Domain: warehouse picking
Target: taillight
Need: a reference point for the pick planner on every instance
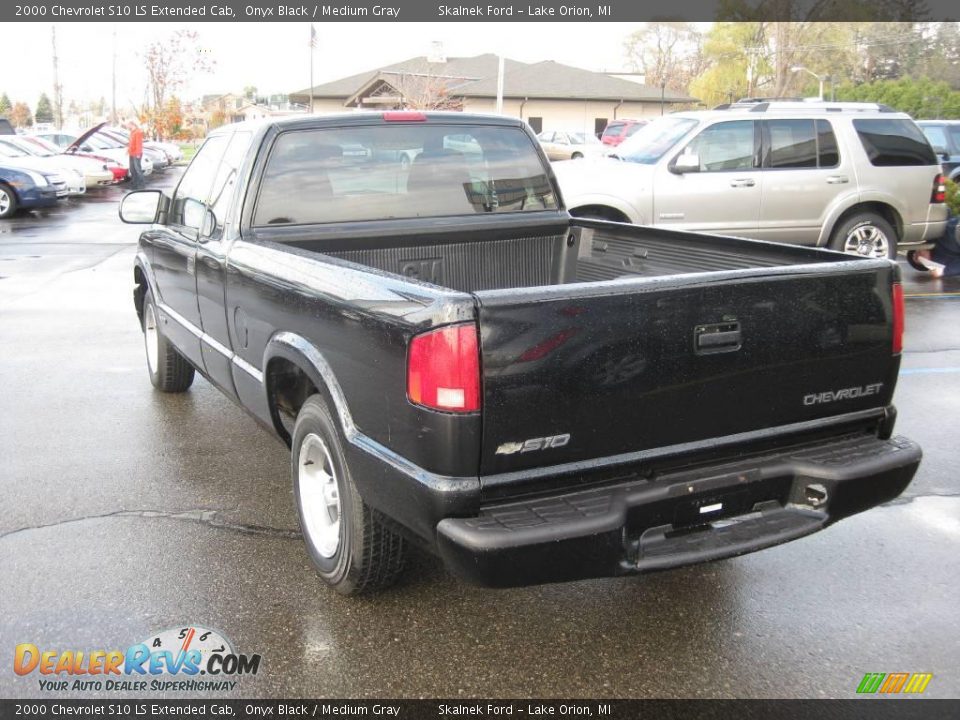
(897, 318)
(443, 369)
(404, 116)
(939, 190)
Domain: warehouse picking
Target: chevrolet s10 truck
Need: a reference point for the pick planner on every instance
(455, 361)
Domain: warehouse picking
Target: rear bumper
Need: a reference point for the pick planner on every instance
(679, 518)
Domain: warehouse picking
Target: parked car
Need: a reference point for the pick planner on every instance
(91, 144)
(156, 155)
(12, 155)
(944, 136)
(570, 145)
(28, 189)
(619, 130)
(6, 128)
(171, 151)
(452, 358)
(62, 140)
(92, 171)
(855, 177)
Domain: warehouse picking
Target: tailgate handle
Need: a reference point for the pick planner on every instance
(717, 338)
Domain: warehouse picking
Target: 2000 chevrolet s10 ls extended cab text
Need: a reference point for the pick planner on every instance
(457, 362)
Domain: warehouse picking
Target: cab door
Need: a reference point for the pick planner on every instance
(211, 264)
(718, 189)
(174, 256)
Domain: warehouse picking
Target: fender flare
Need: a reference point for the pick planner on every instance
(305, 355)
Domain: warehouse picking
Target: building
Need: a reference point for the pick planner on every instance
(548, 95)
(231, 108)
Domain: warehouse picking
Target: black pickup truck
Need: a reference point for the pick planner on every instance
(455, 361)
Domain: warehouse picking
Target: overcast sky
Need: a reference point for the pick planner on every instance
(274, 57)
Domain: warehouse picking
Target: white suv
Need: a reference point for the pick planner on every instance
(856, 177)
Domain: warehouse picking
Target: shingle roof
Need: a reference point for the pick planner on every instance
(543, 80)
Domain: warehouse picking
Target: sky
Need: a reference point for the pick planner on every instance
(275, 57)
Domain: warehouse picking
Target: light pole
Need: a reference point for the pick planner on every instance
(663, 91)
(798, 68)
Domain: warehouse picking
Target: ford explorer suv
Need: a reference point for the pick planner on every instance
(855, 177)
(456, 362)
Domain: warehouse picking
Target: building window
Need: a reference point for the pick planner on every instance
(536, 123)
(599, 125)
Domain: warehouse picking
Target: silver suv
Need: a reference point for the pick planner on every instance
(856, 177)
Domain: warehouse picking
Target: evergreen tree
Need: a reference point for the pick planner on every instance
(44, 113)
(5, 105)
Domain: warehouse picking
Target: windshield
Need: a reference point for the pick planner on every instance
(10, 151)
(31, 148)
(42, 147)
(583, 139)
(654, 140)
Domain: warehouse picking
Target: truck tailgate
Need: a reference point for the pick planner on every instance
(596, 370)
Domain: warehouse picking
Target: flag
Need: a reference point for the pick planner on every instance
(313, 36)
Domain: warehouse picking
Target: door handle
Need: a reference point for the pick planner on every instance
(837, 180)
(742, 182)
(717, 338)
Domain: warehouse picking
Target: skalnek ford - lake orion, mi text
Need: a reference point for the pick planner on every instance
(586, 11)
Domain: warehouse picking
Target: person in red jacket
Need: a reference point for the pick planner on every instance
(135, 151)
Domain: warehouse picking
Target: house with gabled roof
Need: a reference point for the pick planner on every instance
(548, 95)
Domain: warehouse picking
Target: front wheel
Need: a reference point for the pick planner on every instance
(8, 202)
(576, 156)
(865, 234)
(169, 370)
(350, 545)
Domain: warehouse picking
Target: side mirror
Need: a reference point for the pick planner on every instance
(198, 216)
(941, 152)
(140, 207)
(685, 163)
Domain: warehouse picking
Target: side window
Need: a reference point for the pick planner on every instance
(226, 177)
(894, 143)
(194, 187)
(793, 144)
(546, 136)
(725, 146)
(828, 152)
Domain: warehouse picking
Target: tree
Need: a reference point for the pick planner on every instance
(168, 122)
(667, 53)
(44, 112)
(250, 92)
(5, 106)
(170, 62)
(20, 115)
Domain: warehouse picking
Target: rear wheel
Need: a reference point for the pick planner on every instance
(576, 156)
(350, 544)
(865, 234)
(169, 370)
(8, 201)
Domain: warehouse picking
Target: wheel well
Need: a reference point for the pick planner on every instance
(882, 209)
(604, 211)
(139, 291)
(288, 388)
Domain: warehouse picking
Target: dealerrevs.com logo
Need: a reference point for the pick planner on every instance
(189, 659)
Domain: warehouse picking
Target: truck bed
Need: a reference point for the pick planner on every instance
(575, 252)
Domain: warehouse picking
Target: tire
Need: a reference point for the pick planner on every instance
(577, 156)
(8, 201)
(169, 370)
(353, 550)
(865, 234)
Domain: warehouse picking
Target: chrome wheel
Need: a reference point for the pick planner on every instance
(319, 496)
(867, 241)
(150, 337)
(5, 202)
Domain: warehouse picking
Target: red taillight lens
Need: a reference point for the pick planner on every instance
(443, 369)
(897, 318)
(404, 116)
(939, 190)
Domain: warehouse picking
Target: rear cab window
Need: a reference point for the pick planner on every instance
(380, 172)
(894, 142)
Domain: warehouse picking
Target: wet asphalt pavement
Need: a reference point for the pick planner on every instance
(127, 512)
